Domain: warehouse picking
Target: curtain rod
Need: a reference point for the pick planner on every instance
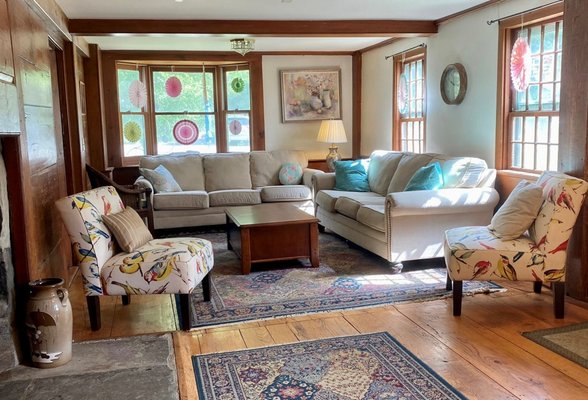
(523, 12)
(404, 51)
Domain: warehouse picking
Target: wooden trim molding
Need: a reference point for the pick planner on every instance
(356, 105)
(91, 27)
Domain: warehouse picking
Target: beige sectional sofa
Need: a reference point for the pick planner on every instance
(210, 182)
(399, 225)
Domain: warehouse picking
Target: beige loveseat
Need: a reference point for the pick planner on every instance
(210, 182)
(399, 225)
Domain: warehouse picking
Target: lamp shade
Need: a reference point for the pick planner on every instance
(332, 131)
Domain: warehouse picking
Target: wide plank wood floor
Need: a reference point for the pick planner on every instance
(482, 353)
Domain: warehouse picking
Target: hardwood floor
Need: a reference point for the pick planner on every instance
(482, 353)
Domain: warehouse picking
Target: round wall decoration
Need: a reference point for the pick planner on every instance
(235, 127)
(520, 64)
(402, 95)
(454, 84)
(173, 86)
(132, 132)
(185, 132)
(237, 84)
(138, 94)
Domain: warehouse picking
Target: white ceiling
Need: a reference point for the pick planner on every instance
(253, 10)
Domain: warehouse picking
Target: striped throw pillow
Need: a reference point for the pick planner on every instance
(128, 229)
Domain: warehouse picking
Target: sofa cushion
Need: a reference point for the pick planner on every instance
(185, 167)
(226, 171)
(382, 167)
(272, 194)
(347, 207)
(372, 215)
(409, 164)
(161, 179)
(351, 176)
(326, 199)
(188, 200)
(290, 174)
(265, 165)
(461, 172)
(237, 197)
(428, 177)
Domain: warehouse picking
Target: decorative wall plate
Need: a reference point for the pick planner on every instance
(138, 94)
(132, 132)
(235, 127)
(173, 86)
(402, 95)
(186, 132)
(520, 64)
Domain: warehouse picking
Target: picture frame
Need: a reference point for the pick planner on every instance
(310, 94)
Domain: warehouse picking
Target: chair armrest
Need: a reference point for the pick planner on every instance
(442, 201)
(324, 181)
(307, 175)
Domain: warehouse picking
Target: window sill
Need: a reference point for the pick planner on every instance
(509, 173)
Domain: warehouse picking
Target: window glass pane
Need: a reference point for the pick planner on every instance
(419, 69)
(529, 129)
(529, 156)
(541, 157)
(549, 37)
(520, 101)
(554, 130)
(125, 77)
(559, 35)
(238, 132)
(558, 67)
(547, 97)
(191, 98)
(240, 100)
(535, 40)
(516, 155)
(409, 128)
(535, 69)
(542, 129)
(553, 157)
(548, 72)
(134, 143)
(412, 71)
(556, 99)
(166, 143)
(517, 129)
(533, 97)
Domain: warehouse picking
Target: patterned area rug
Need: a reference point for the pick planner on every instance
(569, 341)
(347, 278)
(373, 366)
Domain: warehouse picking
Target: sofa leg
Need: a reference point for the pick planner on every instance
(126, 299)
(448, 284)
(457, 294)
(185, 323)
(559, 299)
(206, 287)
(537, 286)
(94, 312)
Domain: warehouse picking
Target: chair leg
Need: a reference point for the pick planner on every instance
(126, 300)
(94, 312)
(448, 284)
(206, 287)
(185, 309)
(537, 286)
(559, 299)
(457, 295)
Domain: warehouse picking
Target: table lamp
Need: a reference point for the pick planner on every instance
(332, 131)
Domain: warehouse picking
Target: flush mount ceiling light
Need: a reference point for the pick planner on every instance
(242, 46)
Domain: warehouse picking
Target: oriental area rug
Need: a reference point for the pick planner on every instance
(348, 278)
(372, 366)
(569, 341)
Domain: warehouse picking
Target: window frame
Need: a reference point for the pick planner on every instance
(504, 115)
(225, 109)
(149, 114)
(409, 57)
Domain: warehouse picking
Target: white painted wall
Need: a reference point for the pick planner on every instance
(302, 135)
(465, 129)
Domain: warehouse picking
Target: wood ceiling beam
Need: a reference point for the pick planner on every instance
(94, 27)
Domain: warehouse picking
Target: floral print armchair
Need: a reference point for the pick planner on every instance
(175, 265)
(474, 253)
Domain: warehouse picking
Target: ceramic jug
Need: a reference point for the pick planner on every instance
(49, 323)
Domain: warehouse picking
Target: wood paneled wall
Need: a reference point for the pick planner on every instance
(573, 151)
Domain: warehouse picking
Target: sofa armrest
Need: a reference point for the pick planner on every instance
(307, 175)
(325, 181)
(144, 183)
(442, 201)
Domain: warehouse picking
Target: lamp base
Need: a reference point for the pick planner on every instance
(332, 157)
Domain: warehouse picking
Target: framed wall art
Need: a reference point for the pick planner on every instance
(310, 94)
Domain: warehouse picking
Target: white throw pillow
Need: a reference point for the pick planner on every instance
(161, 179)
(518, 212)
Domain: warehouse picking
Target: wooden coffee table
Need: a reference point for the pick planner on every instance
(271, 232)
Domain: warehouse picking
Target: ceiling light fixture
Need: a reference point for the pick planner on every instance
(242, 46)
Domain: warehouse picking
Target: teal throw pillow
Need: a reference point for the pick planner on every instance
(351, 176)
(429, 177)
(161, 179)
(290, 174)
